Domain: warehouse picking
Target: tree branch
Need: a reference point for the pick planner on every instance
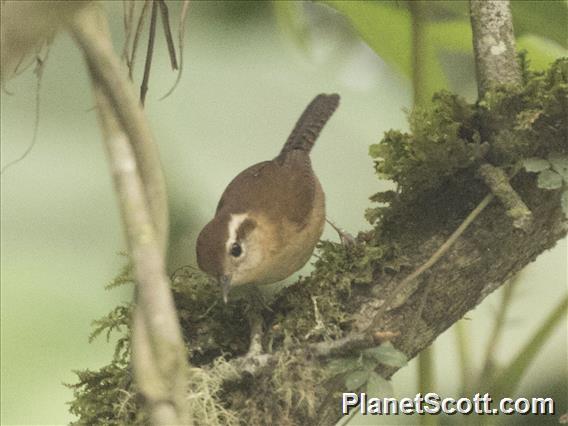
(102, 60)
(493, 44)
(499, 184)
(158, 352)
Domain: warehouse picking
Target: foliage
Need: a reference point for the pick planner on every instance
(108, 396)
(359, 370)
(443, 140)
(387, 27)
(552, 174)
(448, 139)
(508, 378)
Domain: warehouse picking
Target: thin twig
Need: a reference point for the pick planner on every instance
(40, 67)
(149, 53)
(181, 35)
(168, 33)
(431, 261)
(129, 7)
(498, 182)
(345, 237)
(137, 34)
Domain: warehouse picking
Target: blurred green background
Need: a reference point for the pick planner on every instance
(249, 72)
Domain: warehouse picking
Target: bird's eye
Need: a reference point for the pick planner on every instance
(236, 250)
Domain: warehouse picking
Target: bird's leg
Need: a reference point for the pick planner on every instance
(255, 323)
(257, 304)
(345, 237)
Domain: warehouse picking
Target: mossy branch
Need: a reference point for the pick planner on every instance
(496, 65)
(499, 184)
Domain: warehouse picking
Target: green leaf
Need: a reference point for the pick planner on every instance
(453, 36)
(341, 365)
(547, 19)
(292, 22)
(387, 354)
(564, 203)
(377, 385)
(560, 164)
(388, 31)
(535, 164)
(541, 52)
(356, 379)
(548, 179)
(507, 382)
(385, 29)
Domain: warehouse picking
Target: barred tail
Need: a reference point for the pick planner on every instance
(311, 123)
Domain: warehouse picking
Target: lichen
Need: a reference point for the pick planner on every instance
(434, 167)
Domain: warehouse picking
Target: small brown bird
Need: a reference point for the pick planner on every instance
(271, 216)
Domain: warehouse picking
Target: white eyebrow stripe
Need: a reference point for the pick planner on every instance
(234, 224)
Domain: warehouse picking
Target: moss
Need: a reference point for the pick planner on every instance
(434, 167)
(449, 138)
(443, 140)
(211, 327)
(287, 396)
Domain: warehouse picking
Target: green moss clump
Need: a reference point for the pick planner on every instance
(449, 138)
(212, 328)
(314, 308)
(108, 396)
(443, 140)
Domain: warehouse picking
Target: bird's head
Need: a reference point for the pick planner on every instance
(230, 248)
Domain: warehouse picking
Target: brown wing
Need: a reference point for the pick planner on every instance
(280, 189)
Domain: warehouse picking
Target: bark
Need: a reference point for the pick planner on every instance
(489, 253)
(493, 44)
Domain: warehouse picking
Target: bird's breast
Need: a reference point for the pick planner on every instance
(289, 245)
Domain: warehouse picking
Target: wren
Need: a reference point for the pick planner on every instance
(271, 216)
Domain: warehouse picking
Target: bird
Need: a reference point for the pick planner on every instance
(271, 215)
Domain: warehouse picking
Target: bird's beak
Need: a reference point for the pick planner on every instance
(225, 281)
